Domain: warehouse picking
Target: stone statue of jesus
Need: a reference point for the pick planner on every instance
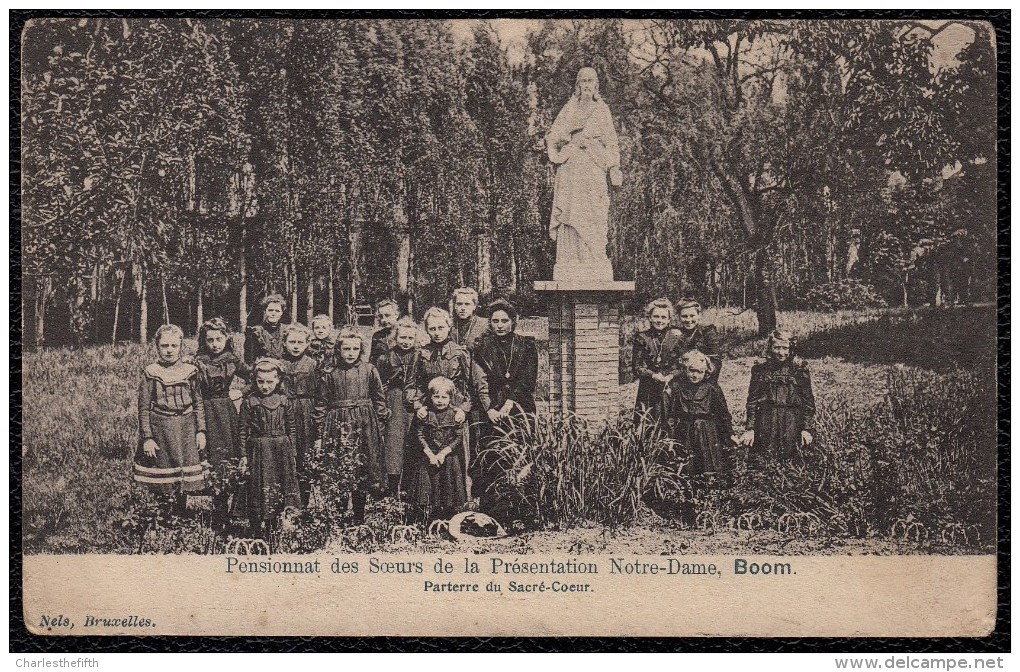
(583, 145)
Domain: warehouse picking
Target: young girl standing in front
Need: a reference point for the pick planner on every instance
(442, 357)
(349, 395)
(700, 420)
(218, 364)
(171, 422)
(267, 436)
(299, 384)
(780, 402)
(437, 474)
(395, 368)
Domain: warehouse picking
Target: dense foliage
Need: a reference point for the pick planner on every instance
(847, 294)
(174, 169)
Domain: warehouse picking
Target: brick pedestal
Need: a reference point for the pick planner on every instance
(584, 347)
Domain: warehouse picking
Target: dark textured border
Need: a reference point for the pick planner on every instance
(23, 641)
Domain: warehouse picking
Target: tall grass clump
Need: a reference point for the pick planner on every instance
(560, 472)
(918, 466)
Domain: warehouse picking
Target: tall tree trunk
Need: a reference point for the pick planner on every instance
(116, 305)
(354, 280)
(402, 269)
(189, 201)
(766, 304)
(409, 307)
(513, 264)
(166, 304)
(94, 306)
(484, 242)
(242, 299)
(331, 296)
(748, 207)
(293, 288)
(143, 308)
(199, 309)
(310, 300)
(42, 299)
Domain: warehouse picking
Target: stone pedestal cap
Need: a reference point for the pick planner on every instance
(584, 286)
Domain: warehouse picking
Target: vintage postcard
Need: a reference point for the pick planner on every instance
(509, 327)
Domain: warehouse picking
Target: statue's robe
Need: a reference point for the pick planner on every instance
(584, 146)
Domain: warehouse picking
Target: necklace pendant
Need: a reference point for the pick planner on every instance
(507, 375)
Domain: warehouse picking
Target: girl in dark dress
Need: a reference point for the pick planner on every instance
(780, 402)
(699, 420)
(697, 336)
(467, 327)
(320, 348)
(267, 433)
(350, 393)
(699, 417)
(387, 313)
(656, 359)
(395, 368)
(299, 384)
(442, 357)
(218, 365)
(266, 339)
(437, 485)
(171, 423)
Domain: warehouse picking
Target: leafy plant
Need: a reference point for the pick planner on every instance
(332, 471)
(847, 294)
(562, 472)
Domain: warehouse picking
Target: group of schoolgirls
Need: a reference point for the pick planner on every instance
(677, 367)
(403, 407)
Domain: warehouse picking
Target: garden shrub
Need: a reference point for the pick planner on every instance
(847, 294)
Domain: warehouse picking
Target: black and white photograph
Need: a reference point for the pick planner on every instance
(580, 301)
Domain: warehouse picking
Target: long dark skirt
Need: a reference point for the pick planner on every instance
(649, 400)
(221, 428)
(440, 491)
(397, 428)
(222, 423)
(371, 473)
(273, 485)
(304, 425)
(176, 466)
(701, 437)
(777, 431)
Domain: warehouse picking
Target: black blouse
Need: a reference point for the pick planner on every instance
(510, 364)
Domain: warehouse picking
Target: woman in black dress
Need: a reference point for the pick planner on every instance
(656, 359)
(697, 336)
(510, 364)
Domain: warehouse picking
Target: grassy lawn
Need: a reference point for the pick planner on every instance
(891, 368)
